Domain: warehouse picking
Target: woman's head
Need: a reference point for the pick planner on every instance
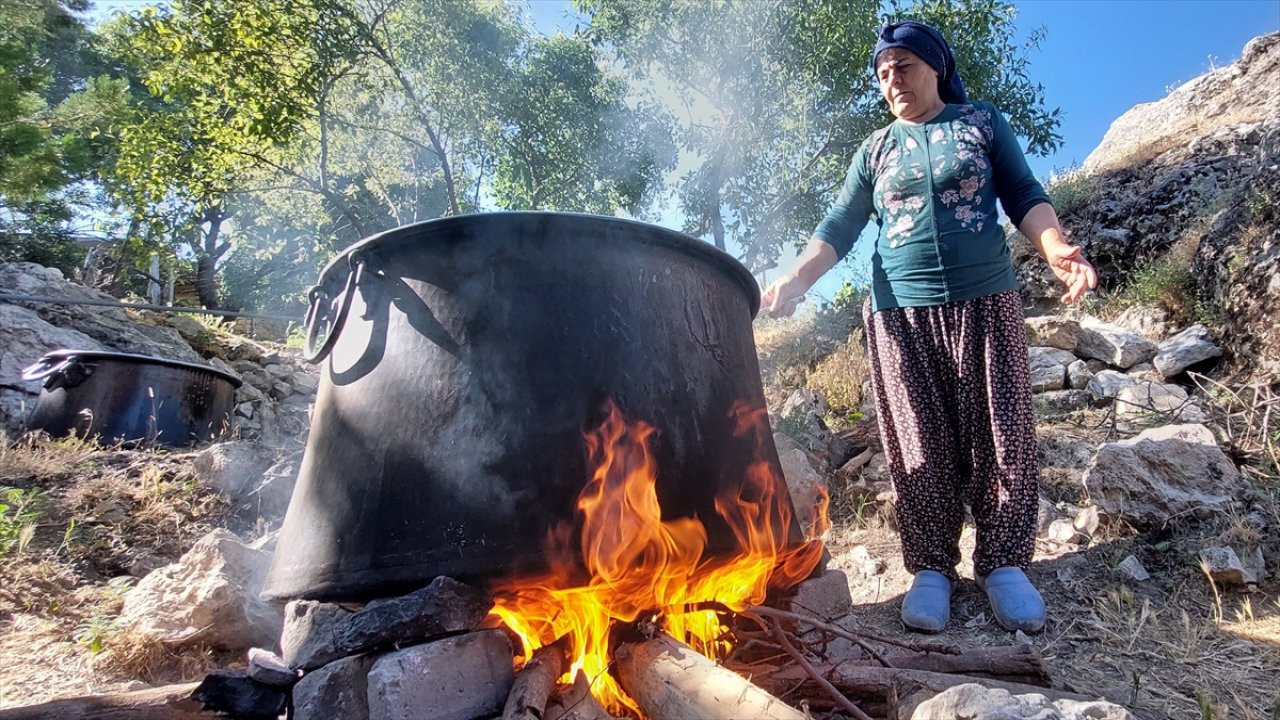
(926, 62)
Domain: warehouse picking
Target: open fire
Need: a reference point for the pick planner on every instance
(641, 567)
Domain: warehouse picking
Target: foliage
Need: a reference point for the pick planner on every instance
(840, 375)
(19, 511)
(780, 96)
(267, 134)
(1074, 192)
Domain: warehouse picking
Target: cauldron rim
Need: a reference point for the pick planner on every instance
(339, 266)
(66, 354)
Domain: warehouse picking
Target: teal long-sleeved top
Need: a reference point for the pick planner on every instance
(932, 189)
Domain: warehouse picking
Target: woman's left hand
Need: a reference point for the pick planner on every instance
(1072, 269)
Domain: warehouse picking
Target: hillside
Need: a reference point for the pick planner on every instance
(1161, 581)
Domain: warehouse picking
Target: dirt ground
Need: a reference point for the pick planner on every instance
(1173, 647)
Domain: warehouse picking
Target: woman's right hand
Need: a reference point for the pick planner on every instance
(782, 297)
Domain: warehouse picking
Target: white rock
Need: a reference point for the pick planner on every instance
(232, 468)
(1156, 402)
(806, 486)
(457, 678)
(1048, 368)
(1053, 331)
(209, 596)
(1112, 344)
(1131, 568)
(975, 701)
(1108, 384)
(1163, 472)
(1079, 375)
(1185, 349)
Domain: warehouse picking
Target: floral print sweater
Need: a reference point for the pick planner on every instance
(932, 190)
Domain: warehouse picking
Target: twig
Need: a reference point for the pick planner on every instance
(840, 698)
(846, 634)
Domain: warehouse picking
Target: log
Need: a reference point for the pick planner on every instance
(535, 681)
(1010, 663)
(671, 681)
(171, 702)
(575, 702)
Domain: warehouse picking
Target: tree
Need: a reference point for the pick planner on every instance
(46, 54)
(780, 95)
(341, 119)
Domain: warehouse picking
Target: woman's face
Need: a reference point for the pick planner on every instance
(909, 85)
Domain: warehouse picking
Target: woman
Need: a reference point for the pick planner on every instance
(944, 323)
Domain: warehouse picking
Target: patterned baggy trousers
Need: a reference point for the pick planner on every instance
(953, 393)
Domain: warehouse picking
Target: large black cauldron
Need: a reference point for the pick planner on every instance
(120, 397)
(464, 359)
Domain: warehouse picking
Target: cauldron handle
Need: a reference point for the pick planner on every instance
(311, 353)
(68, 370)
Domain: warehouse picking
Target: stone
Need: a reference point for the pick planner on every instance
(27, 337)
(1163, 472)
(267, 668)
(305, 383)
(807, 488)
(1115, 345)
(233, 468)
(279, 371)
(444, 606)
(309, 637)
(1048, 368)
(271, 496)
(1062, 531)
(1149, 321)
(861, 560)
(802, 419)
(1107, 384)
(1151, 401)
(1060, 403)
(1224, 566)
(1132, 569)
(824, 597)
(1053, 331)
(1189, 347)
(975, 701)
(209, 597)
(233, 692)
(337, 691)
(1086, 521)
(457, 678)
(1079, 375)
(112, 327)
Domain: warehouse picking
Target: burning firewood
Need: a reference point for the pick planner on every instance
(575, 702)
(534, 683)
(671, 681)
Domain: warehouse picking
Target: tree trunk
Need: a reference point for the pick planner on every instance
(208, 255)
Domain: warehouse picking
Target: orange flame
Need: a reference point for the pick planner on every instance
(640, 566)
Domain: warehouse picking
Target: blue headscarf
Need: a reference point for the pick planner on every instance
(931, 47)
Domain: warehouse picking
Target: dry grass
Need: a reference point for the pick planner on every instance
(839, 376)
(36, 457)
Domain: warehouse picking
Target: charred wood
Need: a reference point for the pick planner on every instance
(575, 702)
(535, 681)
